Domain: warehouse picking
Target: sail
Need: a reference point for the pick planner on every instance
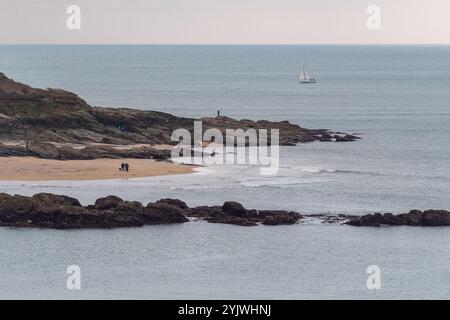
(304, 74)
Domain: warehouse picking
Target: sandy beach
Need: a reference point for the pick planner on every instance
(36, 169)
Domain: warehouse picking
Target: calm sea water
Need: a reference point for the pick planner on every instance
(396, 97)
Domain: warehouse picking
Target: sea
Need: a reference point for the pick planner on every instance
(396, 98)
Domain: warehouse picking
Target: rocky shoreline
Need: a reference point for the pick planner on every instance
(48, 123)
(46, 210)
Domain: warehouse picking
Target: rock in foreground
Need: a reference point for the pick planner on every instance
(234, 213)
(46, 210)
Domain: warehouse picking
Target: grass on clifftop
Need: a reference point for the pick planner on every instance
(28, 108)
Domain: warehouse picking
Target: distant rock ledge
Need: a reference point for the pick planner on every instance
(427, 218)
(46, 210)
(57, 124)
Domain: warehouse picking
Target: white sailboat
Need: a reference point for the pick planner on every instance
(305, 77)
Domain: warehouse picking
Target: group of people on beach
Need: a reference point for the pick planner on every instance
(124, 167)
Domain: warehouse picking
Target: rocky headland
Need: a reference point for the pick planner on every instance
(57, 124)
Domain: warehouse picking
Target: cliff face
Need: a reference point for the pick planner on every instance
(55, 115)
(17, 98)
(37, 122)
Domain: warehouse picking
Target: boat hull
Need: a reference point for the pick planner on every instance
(307, 81)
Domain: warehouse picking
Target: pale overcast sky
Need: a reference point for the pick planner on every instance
(225, 21)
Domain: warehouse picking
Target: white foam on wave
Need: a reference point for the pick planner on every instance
(317, 170)
(275, 184)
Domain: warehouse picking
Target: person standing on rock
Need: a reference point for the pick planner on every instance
(127, 167)
(122, 167)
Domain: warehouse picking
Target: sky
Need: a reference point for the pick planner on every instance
(225, 22)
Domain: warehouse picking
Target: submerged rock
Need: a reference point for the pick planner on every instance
(345, 138)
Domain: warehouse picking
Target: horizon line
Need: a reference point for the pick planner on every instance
(233, 44)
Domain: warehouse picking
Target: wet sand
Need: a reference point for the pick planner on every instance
(36, 169)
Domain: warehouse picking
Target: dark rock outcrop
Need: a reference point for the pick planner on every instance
(233, 208)
(279, 217)
(131, 207)
(4, 196)
(162, 213)
(234, 213)
(55, 199)
(428, 218)
(173, 202)
(106, 203)
(46, 210)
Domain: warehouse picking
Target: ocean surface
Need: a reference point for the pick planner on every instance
(396, 97)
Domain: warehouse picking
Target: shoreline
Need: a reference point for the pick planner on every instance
(37, 169)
